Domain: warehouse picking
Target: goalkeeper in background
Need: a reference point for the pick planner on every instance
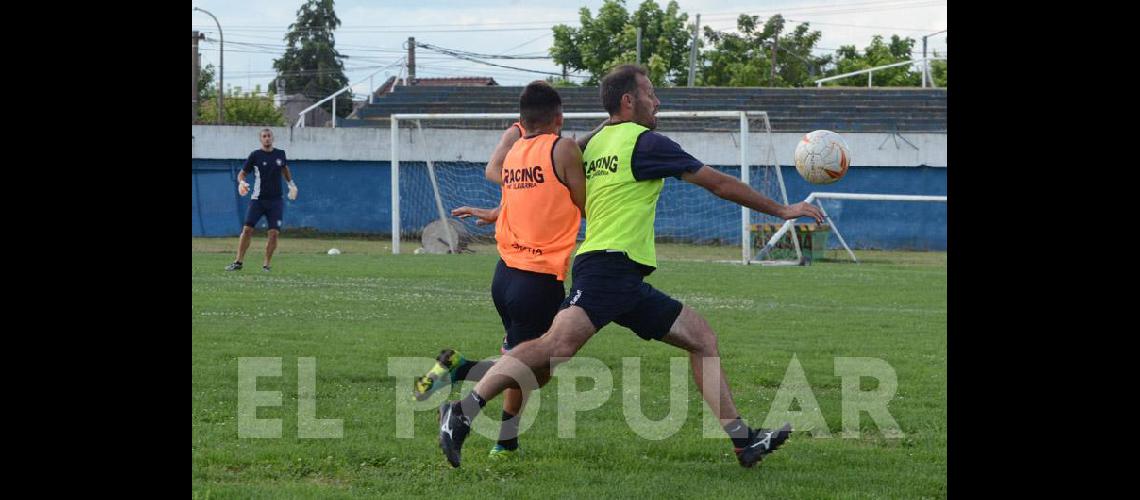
(268, 166)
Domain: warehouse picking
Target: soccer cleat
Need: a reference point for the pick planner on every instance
(265, 268)
(502, 454)
(446, 364)
(235, 266)
(761, 443)
(453, 429)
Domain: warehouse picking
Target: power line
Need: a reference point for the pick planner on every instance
(483, 72)
(920, 30)
(832, 9)
(433, 25)
(411, 30)
(468, 54)
(540, 37)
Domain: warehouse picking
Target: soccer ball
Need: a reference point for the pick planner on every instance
(333, 251)
(822, 157)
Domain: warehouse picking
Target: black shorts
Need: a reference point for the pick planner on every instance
(611, 287)
(272, 210)
(527, 302)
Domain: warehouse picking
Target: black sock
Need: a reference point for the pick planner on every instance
(738, 432)
(471, 405)
(509, 432)
(464, 368)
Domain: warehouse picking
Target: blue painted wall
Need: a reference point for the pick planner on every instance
(354, 196)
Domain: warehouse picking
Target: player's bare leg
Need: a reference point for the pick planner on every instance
(243, 242)
(692, 333)
(271, 245)
(243, 245)
(507, 447)
(512, 401)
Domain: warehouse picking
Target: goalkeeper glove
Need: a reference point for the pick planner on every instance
(243, 188)
(292, 191)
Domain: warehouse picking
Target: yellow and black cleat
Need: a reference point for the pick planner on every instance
(441, 375)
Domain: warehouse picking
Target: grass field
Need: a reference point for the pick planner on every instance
(353, 311)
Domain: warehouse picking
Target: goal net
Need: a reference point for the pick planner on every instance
(438, 162)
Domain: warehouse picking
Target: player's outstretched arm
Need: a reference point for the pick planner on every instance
(483, 216)
(568, 167)
(494, 170)
(730, 188)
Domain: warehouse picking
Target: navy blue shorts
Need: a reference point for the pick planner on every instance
(527, 302)
(611, 287)
(272, 210)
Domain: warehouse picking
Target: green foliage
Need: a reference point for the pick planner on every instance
(242, 109)
(311, 64)
(878, 53)
(610, 39)
(745, 59)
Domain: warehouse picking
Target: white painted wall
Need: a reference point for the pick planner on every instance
(373, 144)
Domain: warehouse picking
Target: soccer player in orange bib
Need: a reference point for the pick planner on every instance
(536, 229)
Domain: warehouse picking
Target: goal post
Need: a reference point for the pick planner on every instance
(816, 198)
(758, 169)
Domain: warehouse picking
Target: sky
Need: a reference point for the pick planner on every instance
(373, 34)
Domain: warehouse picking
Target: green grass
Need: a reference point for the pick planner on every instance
(353, 311)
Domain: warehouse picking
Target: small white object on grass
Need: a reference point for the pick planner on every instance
(419, 250)
(334, 251)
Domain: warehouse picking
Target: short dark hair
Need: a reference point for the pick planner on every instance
(622, 80)
(539, 104)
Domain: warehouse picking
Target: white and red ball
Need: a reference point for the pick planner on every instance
(822, 157)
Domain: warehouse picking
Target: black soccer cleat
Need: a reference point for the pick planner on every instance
(761, 443)
(265, 269)
(453, 429)
(235, 266)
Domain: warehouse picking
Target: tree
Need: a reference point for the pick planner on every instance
(558, 81)
(311, 64)
(243, 109)
(745, 59)
(795, 64)
(206, 88)
(879, 53)
(610, 39)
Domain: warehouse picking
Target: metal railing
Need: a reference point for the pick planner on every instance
(301, 116)
(870, 71)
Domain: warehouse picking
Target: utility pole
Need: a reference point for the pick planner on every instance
(279, 97)
(775, 47)
(221, 65)
(411, 60)
(639, 45)
(197, 61)
(693, 52)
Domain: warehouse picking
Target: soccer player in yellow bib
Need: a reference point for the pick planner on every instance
(625, 164)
